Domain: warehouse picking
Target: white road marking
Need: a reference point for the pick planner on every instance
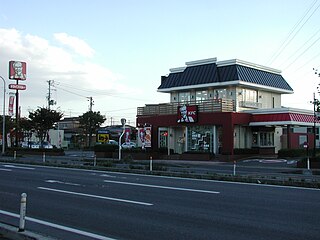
(68, 229)
(3, 169)
(163, 187)
(107, 175)
(66, 183)
(96, 196)
(13, 166)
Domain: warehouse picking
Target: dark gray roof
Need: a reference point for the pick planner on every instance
(211, 73)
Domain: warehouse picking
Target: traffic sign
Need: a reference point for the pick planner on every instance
(17, 86)
(103, 137)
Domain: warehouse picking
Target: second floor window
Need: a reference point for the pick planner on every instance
(220, 93)
(201, 95)
(184, 97)
(250, 95)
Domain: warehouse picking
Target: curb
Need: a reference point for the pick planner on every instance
(12, 233)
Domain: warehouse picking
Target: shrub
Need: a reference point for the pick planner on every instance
(292, 153)
(241, 151)
(37, 151)
(105, 148)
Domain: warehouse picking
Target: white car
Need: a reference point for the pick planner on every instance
(30, 145)
(113, 142)
(34, 145)
(128, 145)
(47, 145)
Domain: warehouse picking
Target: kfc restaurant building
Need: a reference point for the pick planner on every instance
(219, 106)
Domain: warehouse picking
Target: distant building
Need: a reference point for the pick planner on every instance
(72, 132)
(220, 106)
(113, 133)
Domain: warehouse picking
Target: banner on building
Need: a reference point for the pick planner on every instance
(11, 104)
(147, 137)
(187, 114)
(141, 137)
(127, 135)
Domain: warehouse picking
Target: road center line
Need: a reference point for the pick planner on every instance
(163, 187)
(66, 183)
(68, 229)
(96, 196)
(13, 166)
(4, 169)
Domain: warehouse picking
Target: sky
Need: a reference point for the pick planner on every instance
(117, 51)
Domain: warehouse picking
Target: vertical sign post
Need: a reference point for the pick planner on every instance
(17, 71)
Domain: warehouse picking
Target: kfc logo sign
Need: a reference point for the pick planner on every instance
(188, 114)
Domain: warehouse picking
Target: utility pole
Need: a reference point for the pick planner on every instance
(316, 108)
(91, 103)
(50, 101)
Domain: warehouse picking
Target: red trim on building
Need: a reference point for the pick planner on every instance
(283, 117)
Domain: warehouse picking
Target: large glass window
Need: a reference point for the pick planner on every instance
(163, 141)
(201, 95)
(250, 95)
(262, 139)
(184, 97)
(220, 93)
(200, 139)
(266, 139)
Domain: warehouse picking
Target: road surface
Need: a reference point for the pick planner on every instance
(86, 204)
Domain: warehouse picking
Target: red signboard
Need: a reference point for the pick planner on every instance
(17, 70)
(147, 137)
(187, 114)
(11, 103)
(17, 86)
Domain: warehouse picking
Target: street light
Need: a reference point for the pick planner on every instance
(3, 116)
(123, 122)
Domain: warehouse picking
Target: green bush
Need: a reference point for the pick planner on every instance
(53, 151)
(292, 153)
(105, 148)
(241, 151)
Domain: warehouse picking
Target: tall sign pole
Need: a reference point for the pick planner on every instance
(4, 117)
(17, 71)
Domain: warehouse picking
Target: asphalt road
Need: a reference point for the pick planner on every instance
(85, 204)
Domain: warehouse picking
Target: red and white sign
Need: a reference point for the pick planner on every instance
(147, 137)
(17, 70)
(11, 103)
(187, 114)
(127, 135)
(17, 86)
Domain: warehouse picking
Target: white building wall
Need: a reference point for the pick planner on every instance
(269, 100)
(242, 138)
(277, 138)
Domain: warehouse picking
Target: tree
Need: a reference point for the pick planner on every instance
(26, 127)
(90, 122)
(9, 126)
(44, 119)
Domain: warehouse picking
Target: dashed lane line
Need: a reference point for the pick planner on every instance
(163, 187)
(95, 196)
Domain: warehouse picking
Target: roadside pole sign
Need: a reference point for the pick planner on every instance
(17, 86)
(102, 137)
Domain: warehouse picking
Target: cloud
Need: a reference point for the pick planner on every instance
(46, 61)
(76, 44)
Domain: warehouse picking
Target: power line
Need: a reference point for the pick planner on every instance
(301, 47)
(68, 91)
(302, 53)
(98, 93)
(288, 40)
